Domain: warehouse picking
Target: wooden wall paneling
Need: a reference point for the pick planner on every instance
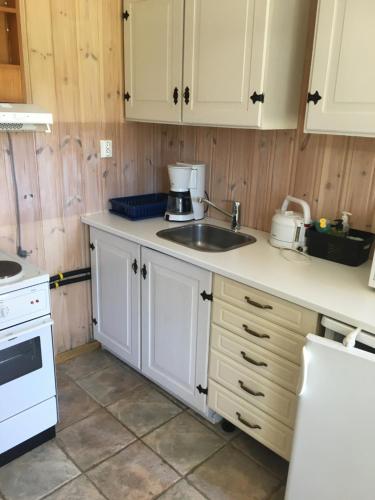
(167, 146)
(40, 54)
(188, 143)
(358, 195)
(145, 158)
(240, 165)
(204, 151)
(219, 192)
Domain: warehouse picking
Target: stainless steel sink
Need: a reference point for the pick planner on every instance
(206, 238)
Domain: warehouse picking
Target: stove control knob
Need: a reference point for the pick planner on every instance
(4, 311)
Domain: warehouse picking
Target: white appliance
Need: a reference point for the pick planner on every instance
(334, 439)
(28, 408)
(24, 118)
(372, 274)
(187, 185)
(288, 228)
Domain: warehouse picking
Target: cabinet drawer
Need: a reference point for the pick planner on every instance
(266, 306)
(254, 388)
(259, 331)
(253, 357)
(267, 430)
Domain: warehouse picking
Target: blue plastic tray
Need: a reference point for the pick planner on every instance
(138, 207)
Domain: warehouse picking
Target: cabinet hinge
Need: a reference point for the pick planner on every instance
(202, 390)
(125, 15)
(92, 246)
(315, 97)
(207, 296)
(127, 96)
(144, 271)
(257, 98)
(94, 321)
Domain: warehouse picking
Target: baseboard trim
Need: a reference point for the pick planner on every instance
(62, 357)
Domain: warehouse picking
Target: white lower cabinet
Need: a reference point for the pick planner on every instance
(148, 310)
(175, 326)
(116, 295)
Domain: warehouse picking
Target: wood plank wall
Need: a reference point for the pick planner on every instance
(73, 52)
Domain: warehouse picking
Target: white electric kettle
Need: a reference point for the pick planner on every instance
(288, 228)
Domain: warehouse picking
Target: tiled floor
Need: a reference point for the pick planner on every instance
(121, 437)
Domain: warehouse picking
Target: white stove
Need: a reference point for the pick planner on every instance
(27, 372)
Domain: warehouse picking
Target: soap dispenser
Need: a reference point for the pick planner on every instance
(345, 221)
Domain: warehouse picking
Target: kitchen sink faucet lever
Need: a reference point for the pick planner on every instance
(234, 215)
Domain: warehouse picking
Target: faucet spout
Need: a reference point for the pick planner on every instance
(234, 215)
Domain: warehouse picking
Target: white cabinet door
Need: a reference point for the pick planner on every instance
(224, 61)
(153, 31)
(343, 69)
(175, 326)
(116, 295)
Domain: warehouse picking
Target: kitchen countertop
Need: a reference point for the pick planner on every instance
(335, 290)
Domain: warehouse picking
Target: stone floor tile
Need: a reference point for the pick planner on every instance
(228, 436)
(111, 384)
(184, 442)
(144, 409)
(169, 396)
(262, 455)
(230, 475)
(37, 473)
(79, 489)
(74, 403)
(93, 439)
(135, 473)
(182, 491)
(88, 363)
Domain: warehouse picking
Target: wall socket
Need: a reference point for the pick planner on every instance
(105, 149)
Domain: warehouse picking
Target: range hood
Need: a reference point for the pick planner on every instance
(24, 118)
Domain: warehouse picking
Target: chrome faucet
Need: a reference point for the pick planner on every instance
(235, 215)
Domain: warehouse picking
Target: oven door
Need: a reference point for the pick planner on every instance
(27, 373)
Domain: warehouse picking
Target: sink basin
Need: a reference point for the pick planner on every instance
(206, 238)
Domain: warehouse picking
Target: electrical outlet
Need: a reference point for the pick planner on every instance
(105, 149)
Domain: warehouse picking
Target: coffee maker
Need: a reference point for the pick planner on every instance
(186, 187)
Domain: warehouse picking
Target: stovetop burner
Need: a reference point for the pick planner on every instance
(9, 270)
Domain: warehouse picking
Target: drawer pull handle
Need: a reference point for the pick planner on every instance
(256, 304)
(248, 390)
(245, 422)
(255, 334)
(252, 361)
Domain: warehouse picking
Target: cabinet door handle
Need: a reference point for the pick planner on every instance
(248, 390)
(187, 95)
(255, 334)
(245, 422)
(135, 266)
(144, 271)
(256, 304)
(175, 95)
(251, 360)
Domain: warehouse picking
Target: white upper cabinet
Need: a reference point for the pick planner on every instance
(223, 61)
(153, 59)
(242, 61)
(343, 70)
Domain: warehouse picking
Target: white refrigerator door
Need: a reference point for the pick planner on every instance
(334, 439)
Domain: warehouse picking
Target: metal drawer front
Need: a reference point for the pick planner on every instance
(261, 361)
(270, 336)
(264, 305)
(254, 422)
(255, 389)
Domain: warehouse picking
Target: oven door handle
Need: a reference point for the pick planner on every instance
(21, 333)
